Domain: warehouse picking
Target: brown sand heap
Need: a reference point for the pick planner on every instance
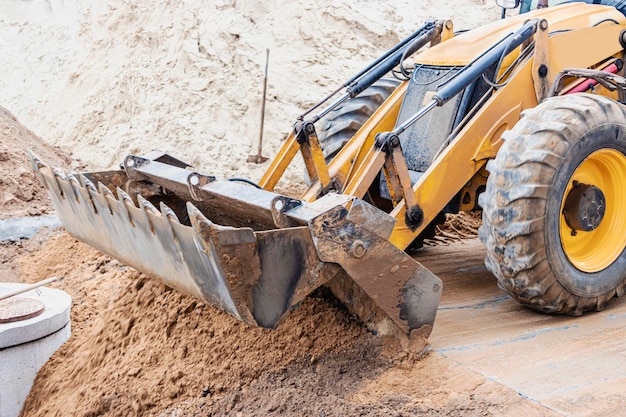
(20, 193)
(138, 347)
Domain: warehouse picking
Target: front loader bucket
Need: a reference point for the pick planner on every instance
(269, 252)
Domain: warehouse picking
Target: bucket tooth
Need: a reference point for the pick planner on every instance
(168, 213)
(125, 203)
(106, 195)
(149, 212)
(104, 190)
(148, 206)
(81, 187)
(85, 188)
(55, 183)
(168, 228)
(38, 165)
(35, 161)
(75, 185)
(124, 197)
(88, 184)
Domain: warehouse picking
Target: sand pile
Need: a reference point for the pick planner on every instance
(20, 194)
(139, 347)
(102, 80)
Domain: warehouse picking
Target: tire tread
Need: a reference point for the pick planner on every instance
(515, 200)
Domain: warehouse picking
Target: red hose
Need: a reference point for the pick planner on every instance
(588, 83)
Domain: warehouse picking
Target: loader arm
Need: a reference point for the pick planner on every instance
(359, 162)
(303, 137)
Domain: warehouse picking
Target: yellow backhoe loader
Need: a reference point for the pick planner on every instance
(523, 118)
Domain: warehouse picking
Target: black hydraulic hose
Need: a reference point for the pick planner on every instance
(246, 181)
(377, 73)
(393, 61)
(472, 72)
(469, 74)
(383, 61)
(426, 27)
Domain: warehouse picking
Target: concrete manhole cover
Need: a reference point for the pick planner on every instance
(19, 308)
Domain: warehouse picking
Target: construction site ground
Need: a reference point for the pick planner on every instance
(139, 348)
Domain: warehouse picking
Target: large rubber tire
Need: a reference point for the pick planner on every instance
(531, 248)
(338, 126)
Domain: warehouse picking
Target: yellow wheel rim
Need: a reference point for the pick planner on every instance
(595, 250)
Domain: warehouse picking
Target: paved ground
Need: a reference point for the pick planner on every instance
(573, 366)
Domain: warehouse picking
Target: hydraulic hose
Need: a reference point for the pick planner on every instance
(377, 69)
(471, 73)
(393, 61)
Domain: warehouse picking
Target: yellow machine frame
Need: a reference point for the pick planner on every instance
(562, 31)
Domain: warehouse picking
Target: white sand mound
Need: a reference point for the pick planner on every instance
(104, 79)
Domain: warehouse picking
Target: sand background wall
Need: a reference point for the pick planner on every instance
(101, 80)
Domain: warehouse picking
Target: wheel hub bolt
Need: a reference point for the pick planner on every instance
(584, 207)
